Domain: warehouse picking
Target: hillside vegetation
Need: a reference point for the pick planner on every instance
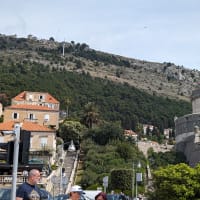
(165, 79)
(84, 75)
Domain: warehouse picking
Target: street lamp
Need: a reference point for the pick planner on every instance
(61, 175)
(133, 182)
(136, 178)
(16, 133)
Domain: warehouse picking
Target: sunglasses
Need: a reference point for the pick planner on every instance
(77, 192)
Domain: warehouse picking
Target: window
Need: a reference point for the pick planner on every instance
(31, 142)
(41, 98)
(46, 118)
(15, 115)
(43, 141)
(30, 98)
(1, 139)
(51, 106)
(31, 116)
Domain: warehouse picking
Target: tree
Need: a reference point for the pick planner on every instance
(162, 159)
(105, 133)
(71, 130)
(176, 182)
(90, 114)
(51, 39)
(139, 130)
(67, 103)
(121, 179)
(125, 151)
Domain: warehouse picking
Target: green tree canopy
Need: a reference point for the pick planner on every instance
(176, 182)
(71, 130)
(106, 132)
(90, 114)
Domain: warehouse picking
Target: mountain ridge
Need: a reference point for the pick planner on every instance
(164, 79)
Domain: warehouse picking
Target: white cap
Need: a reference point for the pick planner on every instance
(76, 188)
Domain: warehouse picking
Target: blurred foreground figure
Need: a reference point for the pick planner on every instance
(75, 192)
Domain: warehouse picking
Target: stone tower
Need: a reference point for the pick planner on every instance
(187, 131)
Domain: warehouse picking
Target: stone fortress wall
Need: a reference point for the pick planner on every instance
(187, 131)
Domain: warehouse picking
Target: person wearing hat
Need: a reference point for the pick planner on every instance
(101, 196)
(75, 192)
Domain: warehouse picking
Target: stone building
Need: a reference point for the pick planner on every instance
(38, 113)
(187, 131)
(43, 139)
(37, 107)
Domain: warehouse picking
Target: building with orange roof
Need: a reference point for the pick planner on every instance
(42, 137)
(37, 112)
(130, 134)
(37, 107)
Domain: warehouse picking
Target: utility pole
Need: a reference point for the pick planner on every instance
(133, 181)
(61, 175)
(15, 160)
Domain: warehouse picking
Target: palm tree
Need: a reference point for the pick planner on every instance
(90, 114)
(67, 102)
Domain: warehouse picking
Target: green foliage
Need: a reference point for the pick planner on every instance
(125, 151)
(101, 160)
(90, 115)
(164, 158)
(54, 167)
(89, 177)
(176, 182)
(121, 179)
(106, 132)
(115, 102)
(71, 130)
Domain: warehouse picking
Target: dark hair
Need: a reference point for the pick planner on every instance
(101, 194)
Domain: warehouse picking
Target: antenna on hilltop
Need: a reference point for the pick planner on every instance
(63, 52)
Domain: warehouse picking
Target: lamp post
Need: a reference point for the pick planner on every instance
(136, 181)
(15, 160)
(133, 182)
(61, 176)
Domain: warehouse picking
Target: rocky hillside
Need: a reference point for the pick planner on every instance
(156, 78)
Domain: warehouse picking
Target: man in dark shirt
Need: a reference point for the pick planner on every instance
(29, 190)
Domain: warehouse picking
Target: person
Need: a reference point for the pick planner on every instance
(122, 196)
(29, 190)
(101, 196)
(75, 192)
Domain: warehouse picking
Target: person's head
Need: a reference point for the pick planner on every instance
(101, 196)
(33, 176)
(75, 192)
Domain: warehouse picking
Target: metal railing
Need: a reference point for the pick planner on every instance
(7, 179)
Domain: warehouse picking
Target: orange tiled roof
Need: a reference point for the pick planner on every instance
(48, 97)
(129, 132)
(51, 99)
(20, 97)
(30, 107)
(28, 126)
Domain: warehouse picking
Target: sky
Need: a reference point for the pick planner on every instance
(151, 30)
